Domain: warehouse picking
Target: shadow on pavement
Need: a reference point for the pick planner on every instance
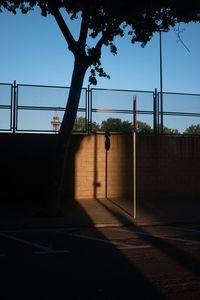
(90, 271)
(179, 256)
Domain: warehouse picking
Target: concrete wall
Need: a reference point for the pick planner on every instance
(100, 172)
(167, 166)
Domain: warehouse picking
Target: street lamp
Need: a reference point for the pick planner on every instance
(161, 80)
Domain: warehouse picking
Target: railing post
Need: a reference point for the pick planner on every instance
(134, 156)
(88, 110)
(155, 112)
(14, 106)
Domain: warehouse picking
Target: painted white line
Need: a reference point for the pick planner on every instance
(51, 252)
(35, 230)
(118, 244)
(164, 237)
(31, 244)
(185, 229)
(3, 255)
(126, 246)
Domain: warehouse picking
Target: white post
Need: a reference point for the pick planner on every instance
(134, 153)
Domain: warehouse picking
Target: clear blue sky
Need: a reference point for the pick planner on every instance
(34, 51)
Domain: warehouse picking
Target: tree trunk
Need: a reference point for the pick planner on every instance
(80, 67)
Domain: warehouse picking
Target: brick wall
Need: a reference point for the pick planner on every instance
(100, 172)
(167, 166)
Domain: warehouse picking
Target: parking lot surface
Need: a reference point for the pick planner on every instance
(133, 262)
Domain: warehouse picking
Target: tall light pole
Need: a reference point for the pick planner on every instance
(161, 80)
(161, 83)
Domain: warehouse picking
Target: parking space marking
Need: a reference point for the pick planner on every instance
(164, 237)
(45, 250)
(118, 244)
(185, 229)
(3, 254)
(36, 230)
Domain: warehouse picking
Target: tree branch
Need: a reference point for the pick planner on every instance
(84, 29)
(63, 26)
(109, 31)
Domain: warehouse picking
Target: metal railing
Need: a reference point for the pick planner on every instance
(31, 108)
(118, 104)
(6, 107)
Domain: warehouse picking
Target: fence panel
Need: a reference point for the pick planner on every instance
(31, 108)
(114, 109)
(181, 113)
(6, 107)
(37, 105)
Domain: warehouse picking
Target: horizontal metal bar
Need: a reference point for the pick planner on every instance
(50, 108)
(47, 131)
(34, 130)
(144, 112)
(10, 84)
(181, 114)
(5, 106)
(181, 94)
(122, 111)
(46, 86)
(104, 110)
(120, 90)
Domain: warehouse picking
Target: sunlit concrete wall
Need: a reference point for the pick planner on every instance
(167, 167)
(101, 172)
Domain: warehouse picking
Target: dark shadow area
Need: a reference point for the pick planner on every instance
(28, 175)
(169, 210)
(25, 162)
(89, 272)
(181, 257)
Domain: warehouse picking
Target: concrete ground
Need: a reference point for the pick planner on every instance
(135, 262)
(107, 212)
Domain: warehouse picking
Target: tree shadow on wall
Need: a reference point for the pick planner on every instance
(28, 174)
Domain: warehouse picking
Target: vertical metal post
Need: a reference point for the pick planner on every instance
(88, 110)
(134, 153)
(161, 84)
(14, 106)
(155, 112)
(11, 108)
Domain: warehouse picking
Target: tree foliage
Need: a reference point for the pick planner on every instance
(104, 20)
(101, 22)
(169, 131)
(144, 128)
(118, 125)
(81, 124)
(193, 130)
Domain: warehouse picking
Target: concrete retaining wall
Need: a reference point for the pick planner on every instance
(167, 166)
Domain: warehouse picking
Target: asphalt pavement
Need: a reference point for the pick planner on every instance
(150, 262)
(105, 212)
